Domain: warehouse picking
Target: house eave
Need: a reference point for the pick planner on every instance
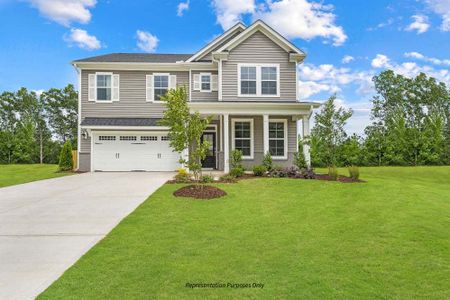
(177, 66)
(254, 108)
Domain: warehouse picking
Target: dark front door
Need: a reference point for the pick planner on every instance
(210, 159)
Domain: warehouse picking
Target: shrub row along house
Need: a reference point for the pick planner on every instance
(246, 79)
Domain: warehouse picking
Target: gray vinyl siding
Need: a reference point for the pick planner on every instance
(85, 162)
(132, 96)
(258, 48)
(203, 96)
(258, 143)
(208, 57)
(85, 145)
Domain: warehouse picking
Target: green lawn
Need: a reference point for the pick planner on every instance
(388, 238)
(16, 174)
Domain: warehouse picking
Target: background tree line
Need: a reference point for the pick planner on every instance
(410, 126)
(34, 127)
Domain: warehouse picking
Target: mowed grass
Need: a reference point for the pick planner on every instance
(17, 174)
(388, 238)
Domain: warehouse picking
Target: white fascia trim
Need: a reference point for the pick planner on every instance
(285, 140)
(125, 128)
(210, 83)
(216, 41)
(252, 136)
(268, 31)
(258, 80)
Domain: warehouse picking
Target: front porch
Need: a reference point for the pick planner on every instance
(255, 128)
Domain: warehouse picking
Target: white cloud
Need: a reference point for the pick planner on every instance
(433, 60)
(420, 24)
(348, 58)
(442, 8)
(65, 12)
(302, 19)
(229, 12)
(389, 22)
(381, 61)
(182, 6)
(309, 88)
(82, 39)
(147, 42)
(328, 78)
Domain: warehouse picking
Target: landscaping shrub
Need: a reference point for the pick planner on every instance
(333, 173)
(207, 179)
(259, 170)
(237, 170)
(291, 171)
(307, 174)
(300, 161)
(65, 157)
(353, 172)
(278, 172)
(228, 178)
(183, 176)
(267, 161)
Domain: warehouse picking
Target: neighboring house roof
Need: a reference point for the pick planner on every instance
(269, 32)
(120, 122)
(238, 27)
(136, 58)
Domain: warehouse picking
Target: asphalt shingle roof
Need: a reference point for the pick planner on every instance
(120, 122)
(137, 58)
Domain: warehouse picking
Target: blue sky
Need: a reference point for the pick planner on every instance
(38, 38)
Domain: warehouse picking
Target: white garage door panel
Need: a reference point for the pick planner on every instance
(129, 152)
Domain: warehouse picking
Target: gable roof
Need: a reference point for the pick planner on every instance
(260, 26)
(209, 47)
(136, 58)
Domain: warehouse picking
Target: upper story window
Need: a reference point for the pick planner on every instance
(205, 82)
(258, 80)
(104, 87)
(248, 80)
(161, 85)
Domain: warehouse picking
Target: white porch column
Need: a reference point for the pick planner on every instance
(306, 134)
(226, 144)
(266, 133)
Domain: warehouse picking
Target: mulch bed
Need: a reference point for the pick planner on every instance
(341, 178)
(199, 192)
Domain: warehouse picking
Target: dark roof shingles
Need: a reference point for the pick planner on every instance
(137, 58)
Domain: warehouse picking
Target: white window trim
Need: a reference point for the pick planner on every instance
(168, 85)
(210, 82)
(96, 87)
(258, 80)
(252, 137)
(285, 156)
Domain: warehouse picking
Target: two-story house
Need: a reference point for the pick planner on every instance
(246, 79)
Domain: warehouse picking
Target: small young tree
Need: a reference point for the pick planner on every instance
(65, 158)
(267, 161)
(185, 130)
(299, 157)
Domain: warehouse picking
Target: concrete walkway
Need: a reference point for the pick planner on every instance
(46, 226)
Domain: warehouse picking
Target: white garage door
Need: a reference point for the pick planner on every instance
(133, 152)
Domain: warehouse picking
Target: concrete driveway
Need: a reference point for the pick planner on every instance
(46, 226)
